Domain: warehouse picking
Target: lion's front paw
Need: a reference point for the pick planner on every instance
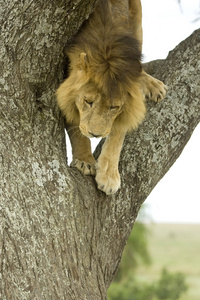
(154, 89)
(108, 180)
(83, 166)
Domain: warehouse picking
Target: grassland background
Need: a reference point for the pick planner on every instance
(177, 248)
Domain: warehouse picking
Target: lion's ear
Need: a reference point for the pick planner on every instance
(83, 61)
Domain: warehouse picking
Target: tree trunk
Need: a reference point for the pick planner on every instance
(61, 238)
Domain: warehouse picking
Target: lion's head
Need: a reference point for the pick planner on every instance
(97, 111)
(98, 103)
(102, 90)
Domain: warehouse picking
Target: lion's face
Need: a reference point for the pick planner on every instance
(97, 112)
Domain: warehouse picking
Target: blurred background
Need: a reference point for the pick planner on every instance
(165, 24)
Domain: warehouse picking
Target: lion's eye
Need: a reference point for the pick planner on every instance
(90, 103)
(113, 108)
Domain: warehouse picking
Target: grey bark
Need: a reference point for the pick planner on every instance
(61, 238)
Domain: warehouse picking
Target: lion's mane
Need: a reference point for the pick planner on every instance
(112, 62)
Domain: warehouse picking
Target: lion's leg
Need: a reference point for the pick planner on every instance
(135, 19)
(107, 174)
(153, 88)
(83, 159)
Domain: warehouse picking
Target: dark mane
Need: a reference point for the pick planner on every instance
(113, 56)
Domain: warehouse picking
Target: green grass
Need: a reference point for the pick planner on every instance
(177, 248)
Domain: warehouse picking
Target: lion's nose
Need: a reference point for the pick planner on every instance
(94, 135)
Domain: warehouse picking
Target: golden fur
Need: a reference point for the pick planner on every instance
(105, 91)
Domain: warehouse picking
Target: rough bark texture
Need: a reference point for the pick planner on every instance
(61, 238)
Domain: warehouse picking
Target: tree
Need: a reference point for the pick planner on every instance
(61, 238)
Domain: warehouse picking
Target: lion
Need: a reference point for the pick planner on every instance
(104, 94)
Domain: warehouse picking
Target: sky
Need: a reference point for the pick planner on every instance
(176, 198)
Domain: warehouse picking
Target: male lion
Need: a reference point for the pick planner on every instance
(104, 95)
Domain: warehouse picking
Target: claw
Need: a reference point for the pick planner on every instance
(85, 167)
